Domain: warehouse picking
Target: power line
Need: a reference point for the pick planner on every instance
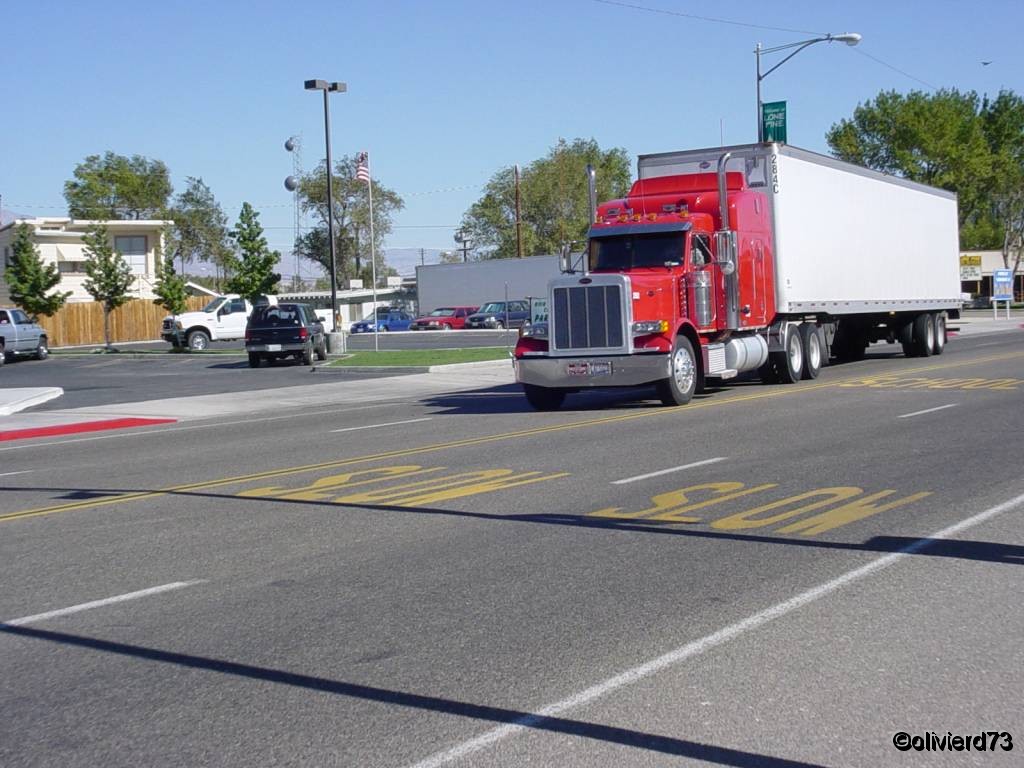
(731, 22)
(708, 18)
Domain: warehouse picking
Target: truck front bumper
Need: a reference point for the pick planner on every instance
(579, 372)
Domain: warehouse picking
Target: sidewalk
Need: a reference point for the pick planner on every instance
(441, 379)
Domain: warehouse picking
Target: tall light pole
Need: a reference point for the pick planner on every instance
(850, 38)
(323, 85)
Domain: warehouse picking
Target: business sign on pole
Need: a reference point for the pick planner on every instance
(538, 310)
(773, 121)
(970, 267)
(1002, 284)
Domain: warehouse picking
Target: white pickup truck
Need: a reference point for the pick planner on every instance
(223, 319)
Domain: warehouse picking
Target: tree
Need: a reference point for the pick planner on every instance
(170, 288)
(200, 231)
(118, 187)
(555, 206)
(1003, 120)
(109, 276)
(351, 218)
(29, 280)
(253, 274)
(957, 141)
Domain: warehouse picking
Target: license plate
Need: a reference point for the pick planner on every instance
(588, 369)
(273, 347)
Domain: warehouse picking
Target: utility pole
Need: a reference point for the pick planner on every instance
(519, 231)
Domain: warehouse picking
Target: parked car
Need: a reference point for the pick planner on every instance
(276, 331)
(20, 335)
(443, 319)
(494, 314)
(387, 320)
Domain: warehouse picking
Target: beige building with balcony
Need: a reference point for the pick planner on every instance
(59, 240)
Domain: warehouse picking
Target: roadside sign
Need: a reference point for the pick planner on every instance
(1002, 285)
(970, 267)
(538, 310)
(773, 121)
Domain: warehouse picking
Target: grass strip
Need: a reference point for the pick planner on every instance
(423, 357)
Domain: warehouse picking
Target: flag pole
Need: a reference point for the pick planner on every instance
(373, 255)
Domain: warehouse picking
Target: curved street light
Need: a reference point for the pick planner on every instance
(850, 38)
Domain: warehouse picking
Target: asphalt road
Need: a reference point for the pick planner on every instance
(770, 576)
(91, 380)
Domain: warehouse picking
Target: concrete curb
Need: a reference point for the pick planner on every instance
(14, 400)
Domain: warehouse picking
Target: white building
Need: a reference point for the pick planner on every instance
(59, 240)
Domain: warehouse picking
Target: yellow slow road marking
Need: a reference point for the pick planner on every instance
(767, 393)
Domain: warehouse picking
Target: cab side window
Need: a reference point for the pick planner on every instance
(19, 317)
(237, 305)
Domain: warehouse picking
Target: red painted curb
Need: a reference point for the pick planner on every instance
(82, 426)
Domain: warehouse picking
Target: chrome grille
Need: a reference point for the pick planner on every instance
(588, 317)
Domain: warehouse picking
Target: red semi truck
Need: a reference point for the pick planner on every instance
(760, 257)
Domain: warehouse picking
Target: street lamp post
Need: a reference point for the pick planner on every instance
(850, 38)
(323, 85)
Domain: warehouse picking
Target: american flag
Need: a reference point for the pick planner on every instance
(363, 171)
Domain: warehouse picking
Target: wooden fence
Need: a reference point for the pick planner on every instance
(81, 323)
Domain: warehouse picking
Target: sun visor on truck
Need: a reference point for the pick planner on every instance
(616, 230)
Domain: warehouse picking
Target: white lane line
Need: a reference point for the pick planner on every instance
(100, 603)
(930, 410)
(698, 647)
(387, 424)
(670, 469)
(208, 425)
(21, 472)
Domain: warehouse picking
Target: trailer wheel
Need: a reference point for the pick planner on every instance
(939, 322)
(906, 338)
(679, 387)
(543, 398)
(789, 363)
(810, 339)
(924, 335)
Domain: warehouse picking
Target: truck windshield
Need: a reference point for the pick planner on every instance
(629, 251)
(213, 305)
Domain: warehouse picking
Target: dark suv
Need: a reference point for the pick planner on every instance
(500, 314)
(276, 331)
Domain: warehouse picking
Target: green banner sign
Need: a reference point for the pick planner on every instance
(773, 121)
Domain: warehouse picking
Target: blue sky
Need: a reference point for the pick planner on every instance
(444, 93)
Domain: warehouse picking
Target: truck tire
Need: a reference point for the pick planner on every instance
(939, 321)
(42, 349)
(924, 335)
(543, 398)
(198, 340)
(905, 335)
(307, 354)
(321, 349)
(254, 359)
(3, 353)
(679, 387)
(789, 363)
(810, 339)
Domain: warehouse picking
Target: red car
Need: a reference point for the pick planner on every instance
(443, 319)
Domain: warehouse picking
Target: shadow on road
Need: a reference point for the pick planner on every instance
(993, 552)
(500, 715)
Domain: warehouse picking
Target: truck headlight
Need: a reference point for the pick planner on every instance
(646, 327)
(178, 325)
(534, 331)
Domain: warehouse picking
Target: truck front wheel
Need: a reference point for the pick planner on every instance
(543, 398)
(198, 341)
(679, 387)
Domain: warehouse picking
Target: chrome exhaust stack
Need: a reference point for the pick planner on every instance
(726, 248)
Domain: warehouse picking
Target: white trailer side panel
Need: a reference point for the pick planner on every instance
(850, 240)
(477, 282)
